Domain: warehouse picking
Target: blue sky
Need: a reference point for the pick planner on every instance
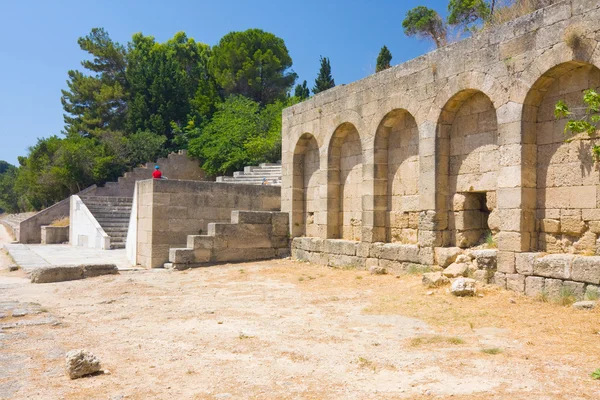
(38, 44)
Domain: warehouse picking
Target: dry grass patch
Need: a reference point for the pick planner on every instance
(435, 339)
(62, 222)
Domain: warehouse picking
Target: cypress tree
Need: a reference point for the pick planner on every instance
(324, 80)
(383, 59)
(302, 91)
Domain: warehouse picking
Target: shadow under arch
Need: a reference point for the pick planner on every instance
(396, 181)
(305, 187)
(561, 178)
(344, 184)
(467, 167)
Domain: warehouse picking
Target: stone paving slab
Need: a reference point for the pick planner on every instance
(34, 256)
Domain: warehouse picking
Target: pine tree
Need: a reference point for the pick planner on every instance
(383, 59)
(324, 80)
(302, 91)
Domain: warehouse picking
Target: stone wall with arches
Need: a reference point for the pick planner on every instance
(456, 147)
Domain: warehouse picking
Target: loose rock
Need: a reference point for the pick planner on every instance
(80, 363)
(434, 279)
(376, 270)
(463, 258)
(463, 287)
(585, 305)
(455, 270)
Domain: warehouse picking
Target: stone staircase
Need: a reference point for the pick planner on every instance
(251, 235)
(268, 174)
(112, 213)
(12, 222)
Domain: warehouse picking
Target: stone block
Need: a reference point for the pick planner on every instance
(550, 226)
(340, 246)
(586, 269)
(463, 287)
(483, 275)
(426, 256)
(392, 266)
(515, 282)
(371, 262)
(577, 288)
(243, 254)
(506, 262)
(247, 236)
(250, 217)
(572, 226)
(279, 242)
(534, 285)
(315, 244)
(346, 262)
(397, 252)
(445, 256)
(524, 263)
(592, 291)
(434, 279)
(455, 270)
(92, 270)
(181, 256)
(56, 274)
(200, 242)
(499, 279)
(553, 266)
(485, 259)
(363, 249)
(552, 287)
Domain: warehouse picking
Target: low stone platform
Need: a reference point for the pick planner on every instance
(34, 256)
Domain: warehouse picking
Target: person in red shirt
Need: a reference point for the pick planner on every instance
(157, 174)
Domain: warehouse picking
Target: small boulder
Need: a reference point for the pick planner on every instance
(485, 259)
(446, 255)
(455, 270)
(463, 287)
(80, 363)
(434, 279)
(377, 270)
(585, 305)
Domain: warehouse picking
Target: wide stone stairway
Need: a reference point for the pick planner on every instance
(264, 174)
(112, 213)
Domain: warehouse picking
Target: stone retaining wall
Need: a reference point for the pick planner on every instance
(55, 234)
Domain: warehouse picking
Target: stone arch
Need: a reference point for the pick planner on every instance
(344, 183)
(305, 187)
(396, 158)
(563, 176)
(468, 163)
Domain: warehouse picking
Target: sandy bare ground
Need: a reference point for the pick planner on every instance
(288, 330)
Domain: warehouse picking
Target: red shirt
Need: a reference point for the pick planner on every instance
(157, 174)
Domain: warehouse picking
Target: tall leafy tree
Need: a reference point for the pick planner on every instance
(302, 92)
(9, 200)
(97, 101)
(255, 64)
(324, 80)
(426, 23)
(468, 13)
(384, 59)
(168, 81)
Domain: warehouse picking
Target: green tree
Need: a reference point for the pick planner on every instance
(169, 83)
(582, 119)
(254, 64)
(467, 13)
(302, 92)
(324, 80)
(240, 133)
(4, 166)
(424, 22)
(383, 59)
(97, 102)
(9, 200)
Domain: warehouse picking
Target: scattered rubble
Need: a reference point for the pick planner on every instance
(463, 287)
(80, 363)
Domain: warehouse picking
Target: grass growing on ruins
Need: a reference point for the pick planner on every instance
(492, 350)
(426, 340)
(490, 241)
(592, 294)
(566, 296)
(542, 297)
(417, 269)
(62, 222)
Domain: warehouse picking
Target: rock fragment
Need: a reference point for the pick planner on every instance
(434, 279)
(81, 363)
(463, 287)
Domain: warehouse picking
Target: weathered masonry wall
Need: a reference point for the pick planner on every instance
(455, 145)
(168, 211)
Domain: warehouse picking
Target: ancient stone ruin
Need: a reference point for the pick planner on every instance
(454, 149)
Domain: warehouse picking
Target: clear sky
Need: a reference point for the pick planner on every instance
(38, 44)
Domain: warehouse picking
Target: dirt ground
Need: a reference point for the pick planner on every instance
(289, 330)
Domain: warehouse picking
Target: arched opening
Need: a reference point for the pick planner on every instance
(565, 174)
(397, 161)
(306, 188)
(468, 164)
(345, 177)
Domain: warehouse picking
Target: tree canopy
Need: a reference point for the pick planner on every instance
(467, 13)
(254, 64)
(384, 59)
(302, 92)
(425, 22)
(324, 80)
